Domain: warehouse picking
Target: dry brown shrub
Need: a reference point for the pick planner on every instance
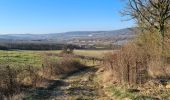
(125, 63)
(14, 81)
(112, 63)
(138, 60)
(151, 43)
(17, 80)
(8, 80)
(63, 66)
(29, 76)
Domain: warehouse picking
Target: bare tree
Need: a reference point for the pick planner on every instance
(151, 14)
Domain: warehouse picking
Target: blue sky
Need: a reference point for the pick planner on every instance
(53, 16)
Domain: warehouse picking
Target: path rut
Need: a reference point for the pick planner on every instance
(76, 86)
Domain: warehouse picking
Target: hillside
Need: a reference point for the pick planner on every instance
(67, 36)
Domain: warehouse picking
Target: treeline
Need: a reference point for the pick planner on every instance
(33, 46)
(50, 46)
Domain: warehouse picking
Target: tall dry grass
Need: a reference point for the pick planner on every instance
(125, 63)
(63, 66)
(139, 60)
(15, 81)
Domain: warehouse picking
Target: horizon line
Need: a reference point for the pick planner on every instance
(63, 32)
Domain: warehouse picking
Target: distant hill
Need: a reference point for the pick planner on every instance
(61, 37)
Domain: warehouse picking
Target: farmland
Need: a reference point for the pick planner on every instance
(21, 58)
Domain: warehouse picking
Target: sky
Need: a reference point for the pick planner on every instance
(54, 16)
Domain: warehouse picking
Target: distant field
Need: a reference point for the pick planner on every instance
(35, 58)
(96, 53)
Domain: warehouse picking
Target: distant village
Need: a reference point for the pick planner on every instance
(97, 43)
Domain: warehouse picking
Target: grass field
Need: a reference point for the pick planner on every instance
(94, 53)
(20, 58)
(35, 58)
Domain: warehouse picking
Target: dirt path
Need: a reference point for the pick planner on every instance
(76, 86)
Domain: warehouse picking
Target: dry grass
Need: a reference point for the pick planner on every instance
(94, 53)
(124, 63)
(142, 65)
(14, 81)
(64, 66)
(143, 53)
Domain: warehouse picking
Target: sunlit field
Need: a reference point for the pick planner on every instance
(94, 53)
(35, 58)
(22, 58)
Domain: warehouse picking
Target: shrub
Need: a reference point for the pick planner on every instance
(58, 67)
(138, 60)
(29, 76)
(8, 80)
(14, 80)
(128, 63)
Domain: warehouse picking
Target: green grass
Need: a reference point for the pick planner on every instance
(121, 93)
(35, 58)
(20, 58)
(95, 53)
(23, 58)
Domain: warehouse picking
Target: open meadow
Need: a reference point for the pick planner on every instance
(35, 58)
(92, 53)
